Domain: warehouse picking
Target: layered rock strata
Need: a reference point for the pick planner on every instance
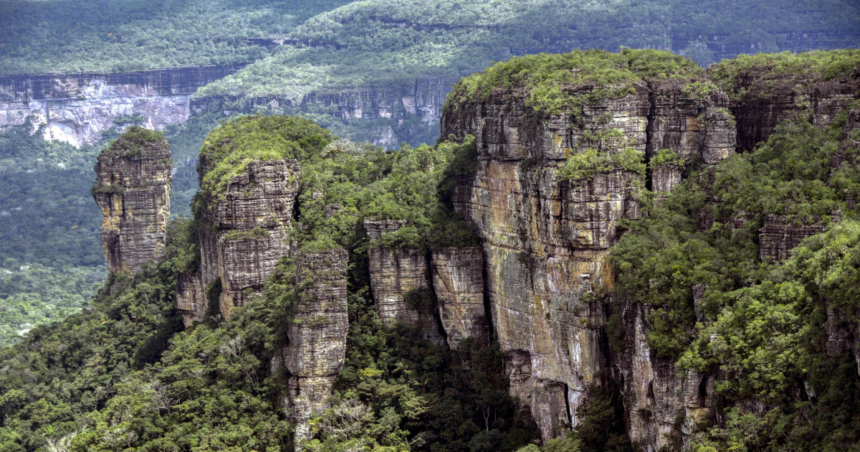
(191, 299)
(780, 234)
(133, 186)
(399, 277)
(546, 240)
(243, 234)
(78, 108)
(317, 335)
(768, 97)
(458, 281)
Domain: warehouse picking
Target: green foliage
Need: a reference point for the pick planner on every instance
(807, 65)
(585, 165)
(394, 43)
(551, 81)
(400, 391)
(760, 329)
(59, 373)
(113, 36)
(228, 149)
(254, 234)
(666, 157)
(664, 255)
(33, 295)
(134, 140)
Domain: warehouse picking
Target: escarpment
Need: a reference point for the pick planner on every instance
(132, 188)
(555, 188)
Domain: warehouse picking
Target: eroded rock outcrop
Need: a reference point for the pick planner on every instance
(458, 280)
(317, 335)
(400, 282)
(780, 234)
(243, 234)
(133, 189)
(77, 108)
(546, 239)
(252, 221)
(767, 95)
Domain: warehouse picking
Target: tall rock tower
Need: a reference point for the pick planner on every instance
(133, 189)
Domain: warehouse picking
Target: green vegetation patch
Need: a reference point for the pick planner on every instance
(585, 165)
(257, 233)
(229, 148)
(133, 141)
(760, 328)
(818, 64)
(567, 82)
(666, 157)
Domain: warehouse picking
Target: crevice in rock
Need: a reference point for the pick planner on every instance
(649, 136)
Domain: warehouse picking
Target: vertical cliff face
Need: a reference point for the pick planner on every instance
(317, 335)
(546, 238)
(399, 279)
(458, 280)
(133, 186)
(78, 108)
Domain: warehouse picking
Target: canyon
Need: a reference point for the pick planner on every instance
(540, 281)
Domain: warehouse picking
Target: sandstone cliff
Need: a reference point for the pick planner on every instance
(546, 239)
(133, 191)
(78, 108)
(458, 280)
(400, 281)
(243, 235)
(317, 336)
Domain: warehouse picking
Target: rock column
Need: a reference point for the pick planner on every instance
(317, 336)
(133, 189)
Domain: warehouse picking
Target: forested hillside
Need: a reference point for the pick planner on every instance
(126, 35)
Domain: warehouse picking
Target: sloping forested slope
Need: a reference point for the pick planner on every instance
(126, 35)
(389, 41)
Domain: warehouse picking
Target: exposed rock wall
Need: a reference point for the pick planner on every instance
(317, 336)
(458, 280)
(781, 234)
(546, 240)
(770, 98)
(243, 234)
(78, 108)
(133, 191)
(395, 275)
(191, 299)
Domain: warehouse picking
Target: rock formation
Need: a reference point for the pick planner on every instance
(191, 299)
(768, 97)
(133, 189)
(458, 280)
(398, 278)
(244, 231)
(317, 336)
(78, 108)
(781, 234)
(546, 239)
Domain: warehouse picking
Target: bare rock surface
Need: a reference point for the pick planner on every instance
(133, 191)
(398, 276)
(317, 336)
(458, 280)
(546, 240)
